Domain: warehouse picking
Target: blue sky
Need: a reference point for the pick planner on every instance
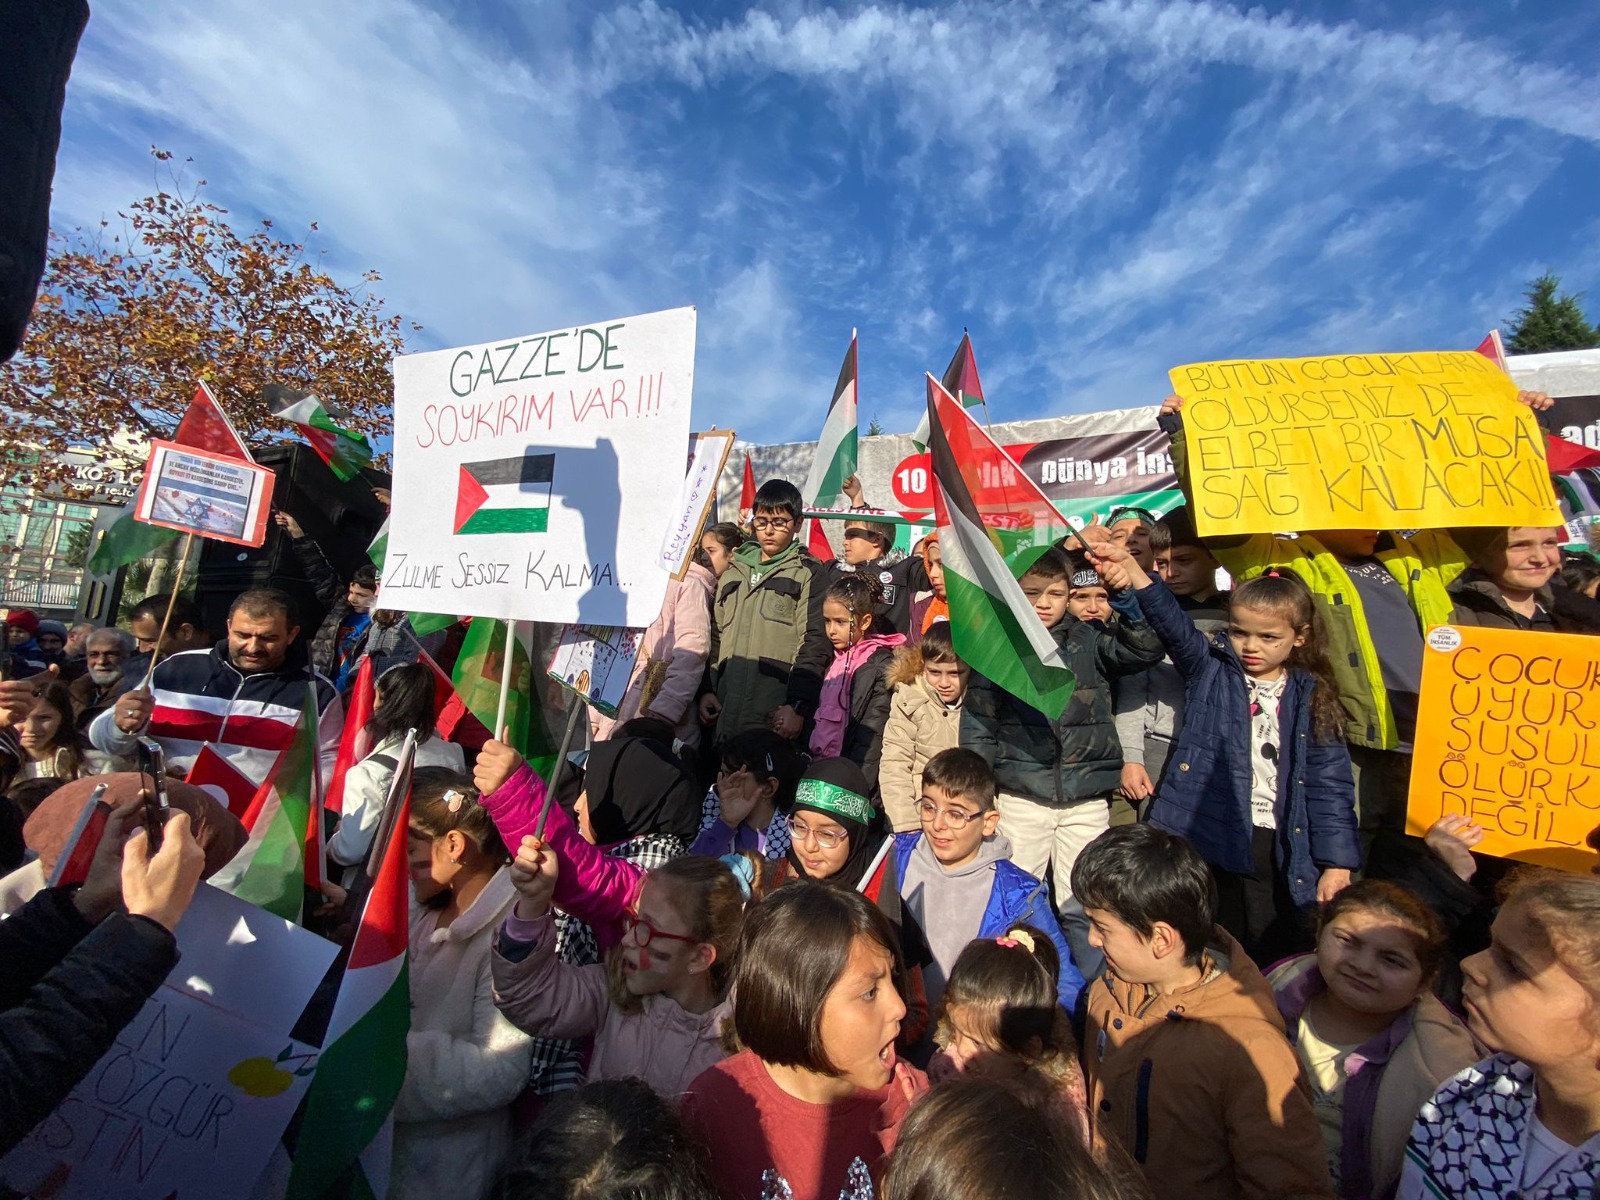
(1099, 191)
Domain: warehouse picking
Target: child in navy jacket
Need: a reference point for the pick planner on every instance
(1260, 777)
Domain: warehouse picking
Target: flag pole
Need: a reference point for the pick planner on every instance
(577, 710)
(166, 618)
(400, 780)
(405, 628)
(505, 680)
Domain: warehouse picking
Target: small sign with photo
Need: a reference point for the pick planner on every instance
(596, 662)
(208, 495)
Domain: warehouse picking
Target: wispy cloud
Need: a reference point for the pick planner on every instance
(1099, 190)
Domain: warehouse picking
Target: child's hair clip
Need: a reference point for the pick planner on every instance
(453, 800)
(1018, 937)
(743, 871)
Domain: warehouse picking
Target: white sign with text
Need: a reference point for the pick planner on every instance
(534, 477)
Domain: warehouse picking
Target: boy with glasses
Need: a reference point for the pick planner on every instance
(953, 880)
(768, 653)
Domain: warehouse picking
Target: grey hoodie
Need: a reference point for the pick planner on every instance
(948, 905)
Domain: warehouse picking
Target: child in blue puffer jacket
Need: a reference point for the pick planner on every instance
(1259, 778)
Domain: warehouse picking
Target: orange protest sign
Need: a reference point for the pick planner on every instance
(1508, 735)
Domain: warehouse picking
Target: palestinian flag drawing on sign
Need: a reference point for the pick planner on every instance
(505, 495)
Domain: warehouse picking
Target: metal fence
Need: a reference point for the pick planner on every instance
(31, 593)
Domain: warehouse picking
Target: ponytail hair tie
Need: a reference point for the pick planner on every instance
(743, 870)
(1272, 574)
(1017, 937)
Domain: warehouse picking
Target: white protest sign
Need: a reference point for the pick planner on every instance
(534, 477)
(197, 1089)
(709, 455)
(230, 945)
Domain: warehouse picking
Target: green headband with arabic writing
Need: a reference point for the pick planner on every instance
(831, 798)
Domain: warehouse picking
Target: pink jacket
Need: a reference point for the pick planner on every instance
(681, 638)
(591, 886)
(664, 1044)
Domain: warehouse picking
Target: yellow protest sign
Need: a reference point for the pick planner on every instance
(1508, 734)
(1361, 441)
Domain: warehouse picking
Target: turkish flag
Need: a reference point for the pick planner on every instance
(206, 427)
(222, 779)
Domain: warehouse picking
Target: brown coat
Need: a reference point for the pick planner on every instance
(919, 726)
(89, 700)
(1202, 1087)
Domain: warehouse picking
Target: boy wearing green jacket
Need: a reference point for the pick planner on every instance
(768, 651)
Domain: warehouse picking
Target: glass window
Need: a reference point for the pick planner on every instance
(37, 530)
(80, 512)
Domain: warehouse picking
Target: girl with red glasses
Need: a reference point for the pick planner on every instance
(655, 1008)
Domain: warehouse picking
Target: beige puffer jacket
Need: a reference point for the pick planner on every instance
(919, 726)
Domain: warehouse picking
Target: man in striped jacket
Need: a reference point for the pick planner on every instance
(242, 697)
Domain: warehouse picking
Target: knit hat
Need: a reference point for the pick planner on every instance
(55, 627)
(24, 618)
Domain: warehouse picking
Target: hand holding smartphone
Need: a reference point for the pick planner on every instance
(155, 806)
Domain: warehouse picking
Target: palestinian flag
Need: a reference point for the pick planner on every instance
(346, 453)
(995, 629)
(206, 427)
(836, 448)
(747, 491)
(961, 381)
(270, 870)
(505, 495)
(125, 542)
(379, 549)
(346, 1129)
(478, 672)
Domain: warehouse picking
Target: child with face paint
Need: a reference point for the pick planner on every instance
(655, 1009)
(1260, 776)
(855, 693)
(811, 1106)
(1373, 1040)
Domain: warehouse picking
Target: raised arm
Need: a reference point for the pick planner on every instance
(594, 887)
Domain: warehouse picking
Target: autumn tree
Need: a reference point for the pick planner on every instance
(1552, 320)
(129, 319)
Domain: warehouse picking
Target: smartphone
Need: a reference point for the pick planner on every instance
(153, 762)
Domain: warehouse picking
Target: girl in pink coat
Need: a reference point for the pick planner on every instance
(656, 1007)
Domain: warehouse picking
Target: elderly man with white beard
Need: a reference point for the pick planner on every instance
(105, 653)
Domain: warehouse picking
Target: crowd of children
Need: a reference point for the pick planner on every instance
(928, 942)
(919, 940)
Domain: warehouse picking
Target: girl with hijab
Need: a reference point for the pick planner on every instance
(835, 834)
(930, 607)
